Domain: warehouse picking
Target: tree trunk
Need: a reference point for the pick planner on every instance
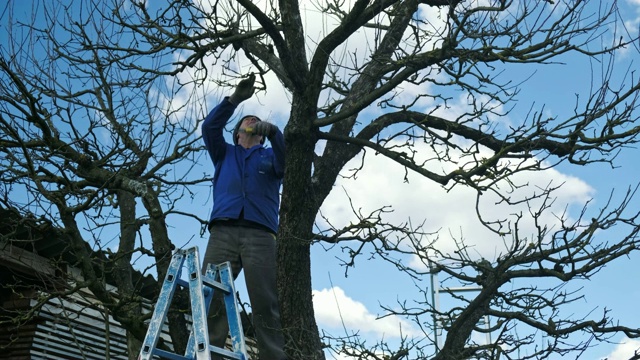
(297, 214)
(162, 248)
(122, 270)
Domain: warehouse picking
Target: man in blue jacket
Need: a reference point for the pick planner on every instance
(244, 220)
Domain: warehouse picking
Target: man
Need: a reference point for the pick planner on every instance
(244, 220)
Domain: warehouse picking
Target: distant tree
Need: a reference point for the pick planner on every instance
(85, 126)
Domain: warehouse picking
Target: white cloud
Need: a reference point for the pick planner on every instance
(336, 311)
(330, 355)
(625, 350)
(334, 356)
(380, 183)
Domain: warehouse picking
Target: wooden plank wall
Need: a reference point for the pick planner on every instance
(70, 328)
(73, 327)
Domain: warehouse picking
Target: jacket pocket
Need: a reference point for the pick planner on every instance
(266, 165)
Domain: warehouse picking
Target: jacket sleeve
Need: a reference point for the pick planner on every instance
(277, 143)
(213, 127)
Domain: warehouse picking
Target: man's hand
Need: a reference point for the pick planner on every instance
(244, 90)
(264, 128)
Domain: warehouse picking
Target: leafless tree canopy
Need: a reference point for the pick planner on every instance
(94, 141)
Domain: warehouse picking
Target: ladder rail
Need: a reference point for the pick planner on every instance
(162, 306)
(232, 307)
(199, 347)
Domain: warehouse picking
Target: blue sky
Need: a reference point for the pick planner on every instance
(352, 303)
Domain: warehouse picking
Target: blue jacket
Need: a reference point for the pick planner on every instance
(246, 179)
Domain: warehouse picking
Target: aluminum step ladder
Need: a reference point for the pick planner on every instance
(201, 288)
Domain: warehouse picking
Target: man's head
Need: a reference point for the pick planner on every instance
(247, 122)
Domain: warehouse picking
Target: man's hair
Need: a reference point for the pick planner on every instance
(236, 129)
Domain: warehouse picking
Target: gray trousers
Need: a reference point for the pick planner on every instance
(253, 250)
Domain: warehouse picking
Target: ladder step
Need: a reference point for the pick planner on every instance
(215, 284)
(169, 355)
(227, 353)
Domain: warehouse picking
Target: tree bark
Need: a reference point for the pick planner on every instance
(297, 215)
(122, 271)
(162, 248)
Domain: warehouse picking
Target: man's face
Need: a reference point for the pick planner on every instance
(249, 122)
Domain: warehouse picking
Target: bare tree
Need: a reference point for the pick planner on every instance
(88, 144)
(115, 56)
(521, 296)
